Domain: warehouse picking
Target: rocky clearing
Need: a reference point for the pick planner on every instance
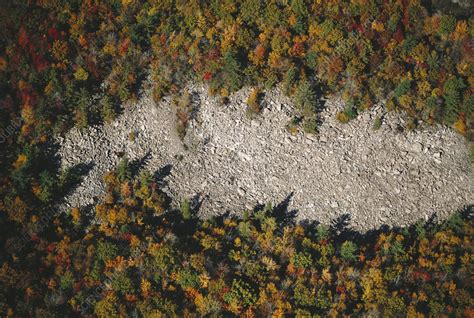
(232, 162)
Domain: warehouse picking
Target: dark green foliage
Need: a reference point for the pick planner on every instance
(289, 80)
(251, 10)
(310, 125)
(322, 232)
(121, 283)
(67, 280)
(402, 88)
(106, 251)
(82, 101)
(145, 178)
(306, 102)
(107, 109)
(124, 170)
(186, 209)
(241, 293)
(377, 123)
(232, 71)
(447, 24)
(303, 295)
(302, 260)
(452, 88)
(188, 279)
(349, 113)
(305, 99)
(348, 251)
(48, 186)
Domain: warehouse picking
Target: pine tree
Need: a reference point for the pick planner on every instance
(305, 99)
(232, 71)
(107, 109)
(123, 170)
(452, 98)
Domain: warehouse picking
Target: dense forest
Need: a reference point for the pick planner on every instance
(73, 63)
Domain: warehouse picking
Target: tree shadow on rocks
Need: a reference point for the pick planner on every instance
(320, 105)
(195, 100)
(160, 174)
(282, 214)
(196, 203)
(75, 175)
(66, 179)
(137, 164)
(88, 212)
(340, 227)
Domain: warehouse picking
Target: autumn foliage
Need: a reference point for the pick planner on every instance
(74, 63)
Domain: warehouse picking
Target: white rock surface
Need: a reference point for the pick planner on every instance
(234, 162)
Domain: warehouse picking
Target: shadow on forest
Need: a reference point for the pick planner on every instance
(450, 7)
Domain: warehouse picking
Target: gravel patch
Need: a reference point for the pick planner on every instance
(230, 161)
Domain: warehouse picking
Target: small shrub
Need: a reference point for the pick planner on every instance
(132, 136)
(411, 124)
(183, 112)
(390, 104)
(185, 209)
(254, 101)
(292, 126)
(377, 123)
(346, 115)
(310, 125)
(107, 110)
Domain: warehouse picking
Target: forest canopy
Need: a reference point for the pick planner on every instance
(57, 54)
(73, 63)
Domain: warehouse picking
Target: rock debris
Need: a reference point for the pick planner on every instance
(232, 161)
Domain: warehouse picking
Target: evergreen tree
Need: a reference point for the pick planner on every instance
(232, 71)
